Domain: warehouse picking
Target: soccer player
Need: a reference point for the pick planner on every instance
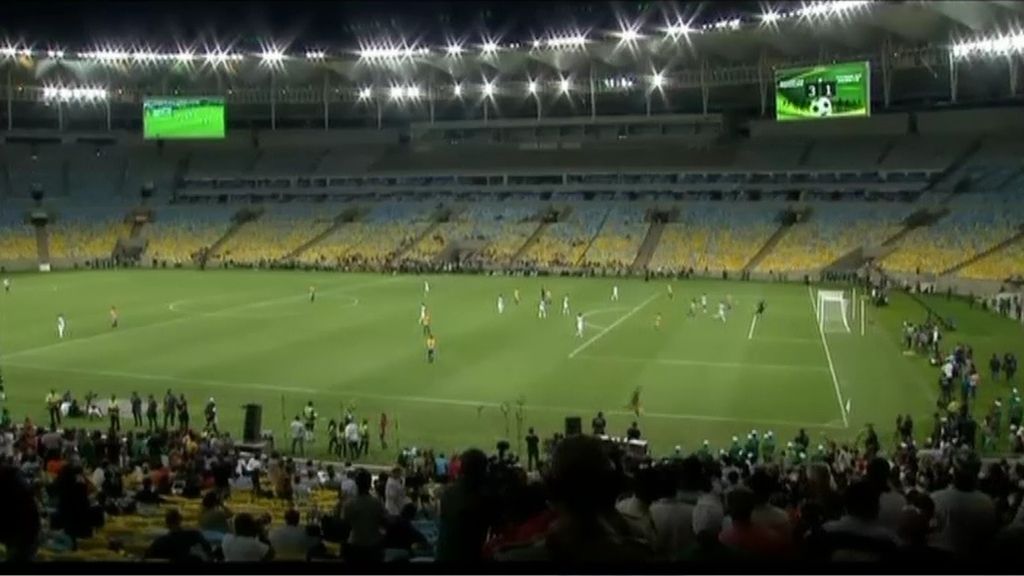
(721, 311)
(542, 309)
(634, 402)
(312, 294)
(704, 302)
(61, 326)
(426, 287)
(431, 348)
(565, 305)
(579, 325)
(501, 304)
(671, 294)
(657, 321)
(760, 307)
(423, 311)
(515, 296)
(7, 285)
(113, 316)
(426, 323)
(693, 308)
(615, 293)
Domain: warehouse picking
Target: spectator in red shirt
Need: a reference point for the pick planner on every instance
(743, 535)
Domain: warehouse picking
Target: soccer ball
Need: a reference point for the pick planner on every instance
(821, 107)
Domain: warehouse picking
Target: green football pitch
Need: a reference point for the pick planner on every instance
(253, 336)
(187, 122)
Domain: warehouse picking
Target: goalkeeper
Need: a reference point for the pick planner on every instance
(760, 307)
(634, 401)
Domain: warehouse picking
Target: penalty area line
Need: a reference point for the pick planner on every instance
(601, 334)
(753, 324)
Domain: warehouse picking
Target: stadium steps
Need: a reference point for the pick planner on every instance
(985, 253)
(583, 255)
(955, 174)
(336, 225)
(768, 246)
(236, 226)
(537, 233)
(403, 250)
(648, 246)
(43, 244)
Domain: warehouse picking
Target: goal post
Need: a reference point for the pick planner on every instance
(834, 311)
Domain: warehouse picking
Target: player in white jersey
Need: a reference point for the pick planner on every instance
(61, 326)
(515, 296)
(423, 312)
(721, 311)
(565, 305)
(693, 308)
(671, 295)
(704, 302)
(7, 285)
(501, 304)
(426, 287)
(542, 309)
(615, 293)
(579, 325)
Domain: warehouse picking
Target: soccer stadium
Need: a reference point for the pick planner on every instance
(704, 283)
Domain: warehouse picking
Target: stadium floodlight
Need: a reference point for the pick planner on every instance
(26, 52)
(678, 29)
(184, 55)
(365, 93)
(535, 44)
(457, 90)
(727, 24)
(55, 54)
(532, 87)
(488, 88)
(271, 55)
(144, 55)
(453, 49)
(396, 92)
(489, 47)
(215, 57)
(564, 85)
(997, 46)
(576, 40)
(769, 17)
(412, 92)
(658, 80)
(832, 8)
(315, 54)
(9, 51)
(628, 33)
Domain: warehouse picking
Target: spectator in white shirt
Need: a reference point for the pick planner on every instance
(394, 492)
(966, 517)
(244, 544)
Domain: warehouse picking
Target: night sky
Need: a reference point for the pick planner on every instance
(308, 24)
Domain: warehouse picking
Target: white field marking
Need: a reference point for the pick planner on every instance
(753, 323)
(176, 320)
(828, 357)
(176, 307)
(601, 334)
(677, 362)
(397, 398)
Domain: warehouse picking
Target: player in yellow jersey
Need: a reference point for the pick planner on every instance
(426, 323)
(113, 316)
(431, 348)
(515, 296)
(312, 294)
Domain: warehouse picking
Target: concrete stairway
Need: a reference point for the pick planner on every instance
(534, 237)
(768, 246)
(336, 225)
(648, 246)
(1017, 237)
(583, 255)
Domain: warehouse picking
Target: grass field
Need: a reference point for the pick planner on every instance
(199, 120)
(253, 336)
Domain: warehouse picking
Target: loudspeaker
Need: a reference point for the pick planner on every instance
(573, 426)
(253, 423)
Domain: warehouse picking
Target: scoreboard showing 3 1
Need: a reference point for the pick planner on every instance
(830, 91)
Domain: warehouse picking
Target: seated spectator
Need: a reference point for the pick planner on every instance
(466, 511)
(744, 537)
(179, 545)
(244, 544)
(291, 541)
(147, 495)
(673, 515)
(859, 535)
(214, 515)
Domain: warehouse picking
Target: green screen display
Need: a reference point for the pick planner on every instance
(831, 91)
(177, 118)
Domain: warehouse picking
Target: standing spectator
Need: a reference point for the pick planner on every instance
(352, 439)
(394, 492)
(114, 411)
(673, 514)
(858, 533)
(466, 512)
(183, 417)
(136, 402)
(994, 365)
(298, 434)
(532, 450)
(598, 424)
(151, 410)
(633, 433)
(179, 545)
(366, 518)
(53, 406)
(364, 438)
(1009, 366)
(966, 517)
(745, 537)
(890, 502)
(332, 437)
(383, 431)
(244, 544)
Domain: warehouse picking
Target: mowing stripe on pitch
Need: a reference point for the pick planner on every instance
(396, 398)
(600, 334)
(679, 362)
(828, 357)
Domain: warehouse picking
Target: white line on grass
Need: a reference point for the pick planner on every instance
(396, 398)
(828, 356)
(600, 334)
(178, 319)
(678, 362)
(753, 323)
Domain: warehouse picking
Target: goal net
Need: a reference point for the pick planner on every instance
(833, 311)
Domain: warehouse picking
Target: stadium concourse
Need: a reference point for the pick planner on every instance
(654, 324)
